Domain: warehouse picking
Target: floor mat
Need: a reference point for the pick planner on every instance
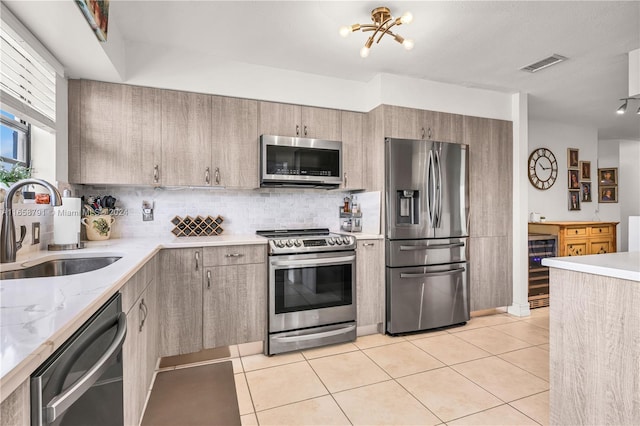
(203, 395)
(203, 355)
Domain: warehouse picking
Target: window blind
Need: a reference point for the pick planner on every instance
(27, 81)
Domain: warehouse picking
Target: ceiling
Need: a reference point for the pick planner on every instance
(471, 43)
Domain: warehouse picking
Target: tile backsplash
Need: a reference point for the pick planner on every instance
(244, 211)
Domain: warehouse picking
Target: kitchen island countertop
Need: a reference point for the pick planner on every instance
(623, 265)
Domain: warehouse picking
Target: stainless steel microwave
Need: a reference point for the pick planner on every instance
(300, 162)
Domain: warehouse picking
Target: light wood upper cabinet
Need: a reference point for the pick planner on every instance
(490, 175)
(186, 139)
(298, 121)
(180, 301)
(234, 157)
(114, 133)
(409, 123)
(352, 157)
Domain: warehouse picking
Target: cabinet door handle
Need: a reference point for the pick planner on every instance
(143, 308)
(156, 174)
(345, 179)
(197, 260)
(297, 130)
(429, 133)
(208, 280)
(422, 133)
(305, 130)
(217, 176)
(233, 255)
(207, 176)
(367, 244)
(576, 231)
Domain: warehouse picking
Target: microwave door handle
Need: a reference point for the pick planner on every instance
(63, 401)
(431, 274)
(313, 262)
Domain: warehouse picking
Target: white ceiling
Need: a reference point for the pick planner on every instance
(471, 43)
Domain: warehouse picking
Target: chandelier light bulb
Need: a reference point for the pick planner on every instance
(364, 52)
(407, 18)
(622, 108)
(345, 31)
(408, 44)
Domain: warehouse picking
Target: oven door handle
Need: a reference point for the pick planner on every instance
(311, 336)
(314, 262)
(63, 401)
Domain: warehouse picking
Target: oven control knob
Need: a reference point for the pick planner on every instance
(339, 241)
(289, 243)
(297, 243)
(331, 241)
(280, 243)
(346, 240)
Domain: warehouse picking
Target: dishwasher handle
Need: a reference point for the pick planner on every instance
(63, 401)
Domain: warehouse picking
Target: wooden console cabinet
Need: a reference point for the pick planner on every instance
(580, 238)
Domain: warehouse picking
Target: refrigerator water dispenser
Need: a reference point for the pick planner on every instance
(408, 209)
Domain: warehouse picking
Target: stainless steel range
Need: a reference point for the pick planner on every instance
(312, 289)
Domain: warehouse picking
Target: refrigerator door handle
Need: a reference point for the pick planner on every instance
(431, 189)
(438, 208)
(432, 274)
(431, 247)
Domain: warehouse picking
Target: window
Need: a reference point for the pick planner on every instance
(15, 144)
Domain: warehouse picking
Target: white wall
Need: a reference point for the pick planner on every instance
(553, 203)
(628, 188)
(43, 154)
(609, 156)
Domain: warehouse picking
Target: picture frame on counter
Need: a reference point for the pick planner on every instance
(585, 192)
(572, 158)
(608, 176)
(585, 170)
(608, 194)
(574, 200)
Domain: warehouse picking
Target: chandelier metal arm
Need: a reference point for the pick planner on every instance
(387, 30)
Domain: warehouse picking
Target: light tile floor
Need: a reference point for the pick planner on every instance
(492, 371)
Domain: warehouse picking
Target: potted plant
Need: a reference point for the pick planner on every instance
(12, 175)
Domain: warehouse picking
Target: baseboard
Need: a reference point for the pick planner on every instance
(365, 330)
(519, 309)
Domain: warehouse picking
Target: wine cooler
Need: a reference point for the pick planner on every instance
(541, 246)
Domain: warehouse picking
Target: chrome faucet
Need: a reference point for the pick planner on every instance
(8, 244)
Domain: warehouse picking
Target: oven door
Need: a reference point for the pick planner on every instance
(309, 290)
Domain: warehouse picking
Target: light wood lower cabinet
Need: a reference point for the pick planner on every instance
(370, 282)
(140, 348)
(580, 238)
(490, 272)
(180, 301)
(16, 408)
(234, 303)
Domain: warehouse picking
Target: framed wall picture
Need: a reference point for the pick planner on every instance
(572, 158)
(574, 200)
(585, 192)
(608, 176)
(608, 194)
(574, 181)
(96, 12)
(585, 170)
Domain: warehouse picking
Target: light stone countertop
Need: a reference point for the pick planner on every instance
(37, 315)
(623, 265)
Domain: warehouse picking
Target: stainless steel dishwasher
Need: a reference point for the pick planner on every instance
(81, 383)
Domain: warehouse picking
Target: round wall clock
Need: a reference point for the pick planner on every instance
(543, 168)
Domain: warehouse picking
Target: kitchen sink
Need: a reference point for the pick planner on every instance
(60, 266)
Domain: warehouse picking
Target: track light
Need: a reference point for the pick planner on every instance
(623, 107)
(382, 24)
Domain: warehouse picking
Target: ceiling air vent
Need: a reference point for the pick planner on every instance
(544, 63)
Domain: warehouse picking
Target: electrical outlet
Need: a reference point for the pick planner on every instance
(147, 210)
(35, 233)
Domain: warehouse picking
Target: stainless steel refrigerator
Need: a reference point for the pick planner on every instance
(427, 210)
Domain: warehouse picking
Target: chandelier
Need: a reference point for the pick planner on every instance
(623, 107)
(382, 24)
